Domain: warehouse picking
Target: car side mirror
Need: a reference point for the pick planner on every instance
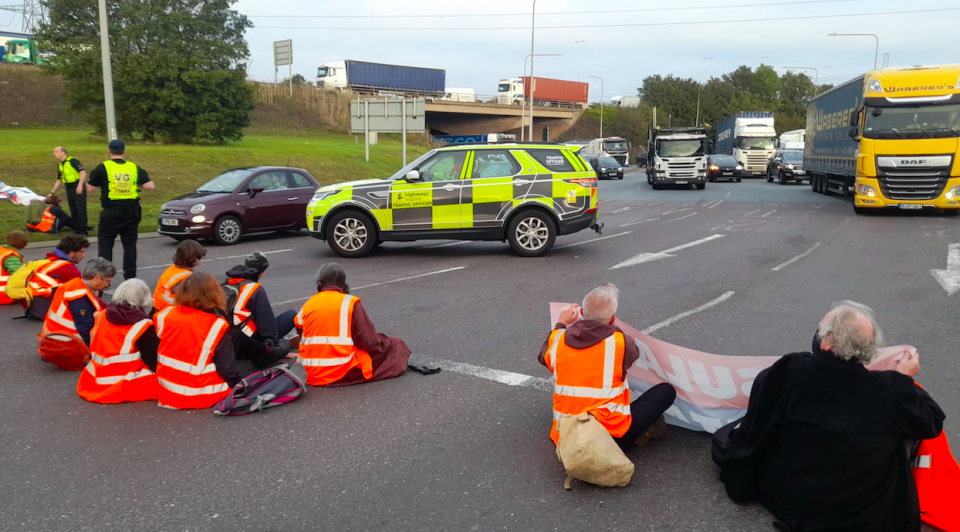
(853, 133)
(254, 191)
(854, 119)
(413, 175)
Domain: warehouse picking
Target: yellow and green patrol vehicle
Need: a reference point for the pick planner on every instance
(522, 193)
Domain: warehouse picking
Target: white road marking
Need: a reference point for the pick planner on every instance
(622, 209)
(751, 212)
(840, 228)
(606, 200)
(503, 377)
(592, 240)
(715, 204)
(680, 218)
(381, 283)
(650, 257)
(798, 257)
(949, 279)
(668, 322)
(217, 258)
(445, 245)
(628, 224)
(769, 213)
(672, 211)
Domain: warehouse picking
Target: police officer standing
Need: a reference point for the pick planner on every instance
(72, 177)
(118, 181)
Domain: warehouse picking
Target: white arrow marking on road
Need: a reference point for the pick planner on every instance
(798, 257)
(665, 254)
(949, 279)
(678, 317)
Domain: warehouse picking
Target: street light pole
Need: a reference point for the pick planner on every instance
(523, 99)
(876, 50)
(601, 103)
(107, 72)
(699, 90)
(533, 25)
(579, 49)
(816, 75)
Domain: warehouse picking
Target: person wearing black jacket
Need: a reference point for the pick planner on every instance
(825, 444)
(261, 339)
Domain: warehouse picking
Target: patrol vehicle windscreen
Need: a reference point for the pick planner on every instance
(225, 182)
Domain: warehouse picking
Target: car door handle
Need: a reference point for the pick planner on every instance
(292, 199)
(520, 181)
(450, 188)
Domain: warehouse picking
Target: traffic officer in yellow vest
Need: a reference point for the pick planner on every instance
(73, 178)
(118, 180)
(589, 359)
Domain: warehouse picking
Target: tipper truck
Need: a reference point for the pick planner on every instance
(546, 91)
(380, 79)
(892, 136)
(677, 156)
(750, 138)
(616, 147)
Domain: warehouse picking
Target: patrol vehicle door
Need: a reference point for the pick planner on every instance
(489, 188)
(431, 202)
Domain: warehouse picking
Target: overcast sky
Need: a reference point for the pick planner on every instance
(478, 58)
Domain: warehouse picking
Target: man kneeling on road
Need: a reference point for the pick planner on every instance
(825, 442)
(339, 345)
(589, 360)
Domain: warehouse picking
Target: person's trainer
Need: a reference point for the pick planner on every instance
(73, 178)
(120, 200)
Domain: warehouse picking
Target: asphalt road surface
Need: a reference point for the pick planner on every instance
(468, 448)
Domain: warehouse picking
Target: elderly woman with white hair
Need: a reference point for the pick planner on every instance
(123, 349)
(589, 359)
(825, 443)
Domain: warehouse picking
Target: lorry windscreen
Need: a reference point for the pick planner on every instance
(504, 87)
(680, 148)
(322, 72)
(755, 143)
(615, 145)
(936, 121)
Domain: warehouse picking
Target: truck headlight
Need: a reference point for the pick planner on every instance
(953, 193)
(875, 86)
(870, 192)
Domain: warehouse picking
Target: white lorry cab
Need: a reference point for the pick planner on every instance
(332, 75)
(510, 91)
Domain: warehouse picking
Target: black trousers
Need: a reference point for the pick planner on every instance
(646, 410)
(115, 223)
(78, 207)
(64, 220)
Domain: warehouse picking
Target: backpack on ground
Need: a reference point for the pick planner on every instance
(277, 385)
(17, 285)
(232, 291)
(589, 453)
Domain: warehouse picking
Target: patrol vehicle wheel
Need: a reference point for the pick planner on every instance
(227, 231)
(351, 234)
(531, 233)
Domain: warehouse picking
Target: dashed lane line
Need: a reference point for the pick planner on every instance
(593, 240)
(769, 213)
(650, 257)
(680, 218)
(381, 283)
(798, 257)
(217, 258)
(628, 224)
(670, 321)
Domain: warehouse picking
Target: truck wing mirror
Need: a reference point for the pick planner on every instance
(854, 119)
(853, 133)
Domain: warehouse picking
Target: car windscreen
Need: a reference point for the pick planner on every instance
(608, 161)
(793, 156)
(226, 182)
(723, 159)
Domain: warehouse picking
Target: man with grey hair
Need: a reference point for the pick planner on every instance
(826, 443)
(72, 314)
(339, 344)
(589, 359)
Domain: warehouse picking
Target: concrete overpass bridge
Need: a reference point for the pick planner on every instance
(465, 118)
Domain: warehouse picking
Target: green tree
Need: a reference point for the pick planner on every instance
(179, 66)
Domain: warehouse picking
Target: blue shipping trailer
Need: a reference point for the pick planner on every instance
(829, 151)
(361, 74)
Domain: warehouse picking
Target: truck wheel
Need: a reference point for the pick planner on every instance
(738, 180)
(351, 234)
(951, 212)
(656, 186)
(531, 233)
(862, 211)
(701, 186)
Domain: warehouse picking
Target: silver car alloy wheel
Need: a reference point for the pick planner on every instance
(229, 230)
(532, 233)
(350, 234)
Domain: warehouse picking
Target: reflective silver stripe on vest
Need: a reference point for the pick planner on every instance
(325, 362)
(553, 351)
(58, 317)
(326, 340)
(591, 393)
(187, 368)
(133, 375)
(343, 339)
(115, 359)
(611, 407)
(188, 391)
(159, 319)
(609, 358)
(126, 353)
(202, 367)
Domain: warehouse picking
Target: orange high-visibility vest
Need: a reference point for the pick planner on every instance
(937, 476)
(5, 275)
(163, 294)
(115, 373)
(240, 311)
(46, 223)
(326, 346)
(186, 374)
(42, 283)
(589, 380)
(59, 320)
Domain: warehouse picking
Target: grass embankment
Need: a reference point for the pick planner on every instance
(26, 160)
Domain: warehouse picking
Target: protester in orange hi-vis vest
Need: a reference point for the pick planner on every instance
(188, 255)
(123, 349)
(339, 345)
(589, 359)
(195, 362)
(10, 261)
(258, 334)
(937, 475)
(72, 315)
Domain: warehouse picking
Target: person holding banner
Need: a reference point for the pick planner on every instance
(589, 359)
(826, 443)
